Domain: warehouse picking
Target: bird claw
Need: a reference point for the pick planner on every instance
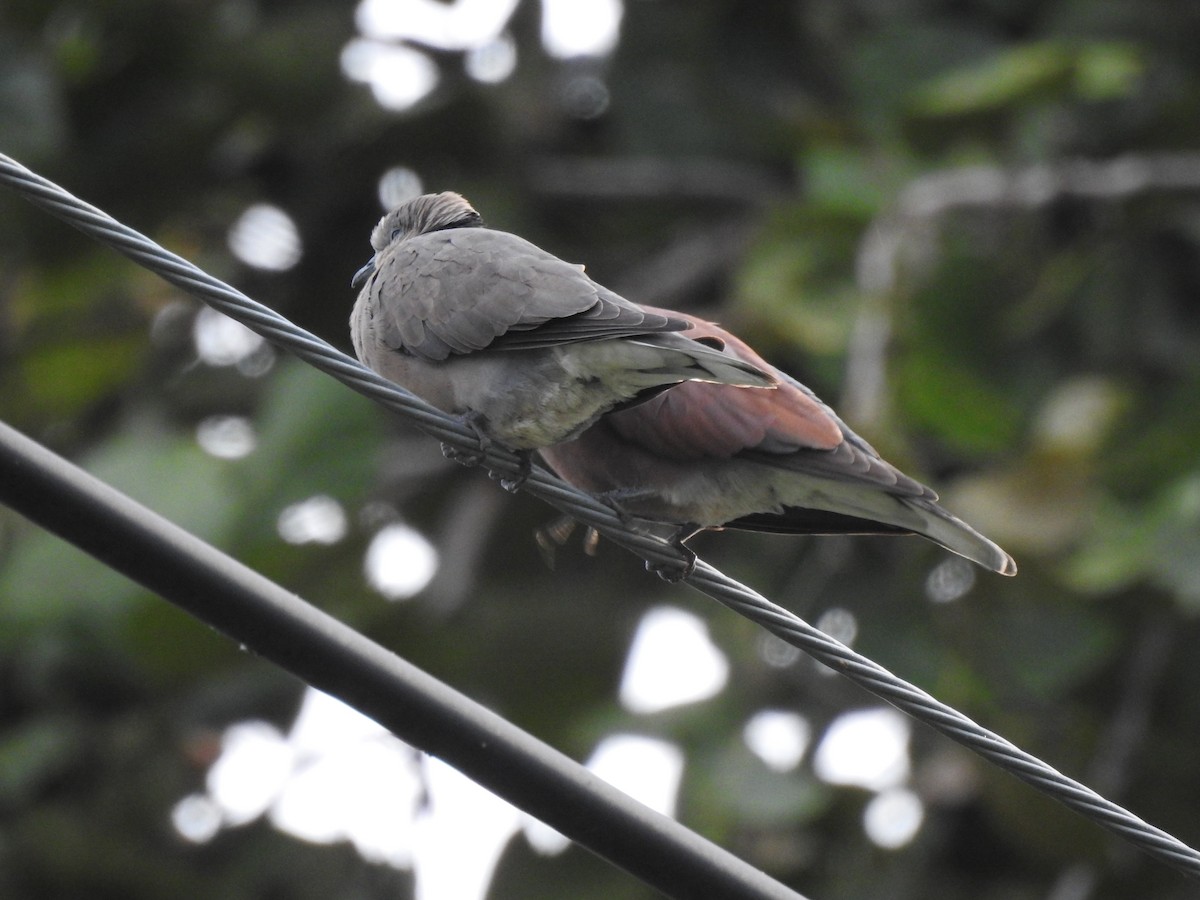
(513, 483)
(474, 422)
(672, 572)
(556, 534)
(675, 572)
(552, 536)
(462, 457)
(591, 542)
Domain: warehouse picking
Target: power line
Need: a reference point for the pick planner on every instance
(277, 625)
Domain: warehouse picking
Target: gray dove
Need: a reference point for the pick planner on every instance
(525, 347)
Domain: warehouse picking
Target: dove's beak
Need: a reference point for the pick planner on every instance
(363, 274)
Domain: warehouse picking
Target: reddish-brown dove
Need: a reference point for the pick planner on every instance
(706, 456)
(524, 346)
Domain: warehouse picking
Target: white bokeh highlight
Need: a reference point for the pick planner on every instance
(950, 580)
(363, 792)
(778, 737)
(220, 341)
(461, 837)
(388, 54)
(353, 781)
(492, 62)
(444, 26)
(255, 763)
(893, 818)
(266, 237)
(339, 776)
(318, 520)
(399, 76)
(226, 437)
(647, 769)
(865, 748)
(672, 661)
(397, 185)
(573, 28)
(400, 561)
(197, 818)
(840, 624)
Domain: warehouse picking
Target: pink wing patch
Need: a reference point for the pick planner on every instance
(696, 421)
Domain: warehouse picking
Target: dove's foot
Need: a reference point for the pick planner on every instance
(556, 534)
(677, 571)
(474, 422)
(462, 457)
(552, 536)
(513, 483)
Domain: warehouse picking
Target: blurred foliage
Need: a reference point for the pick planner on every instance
(821, 176)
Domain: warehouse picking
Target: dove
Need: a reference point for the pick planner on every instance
(523, 346)
(702, 456)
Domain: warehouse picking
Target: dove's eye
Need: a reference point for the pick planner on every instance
(396, 232)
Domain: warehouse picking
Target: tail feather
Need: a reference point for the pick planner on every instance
(847, 508)
(957, 536)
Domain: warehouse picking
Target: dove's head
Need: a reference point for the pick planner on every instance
(430, 212)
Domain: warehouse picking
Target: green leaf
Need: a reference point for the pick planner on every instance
(314, 436)
(1098, 71)
(1000, 81)
(1108, 71)
(1175, 560)
(1159, 543)
(849, 182)
(63, 379)
(1113, 554)
(956, 404)
(36, 752)
(44, 580)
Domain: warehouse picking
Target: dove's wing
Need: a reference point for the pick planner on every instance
(788, 428)
(461, 290)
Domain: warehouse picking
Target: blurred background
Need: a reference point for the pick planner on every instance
(973, 227)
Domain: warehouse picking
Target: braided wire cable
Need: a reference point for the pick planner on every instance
(740, 599)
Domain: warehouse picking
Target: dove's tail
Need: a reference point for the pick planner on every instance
(848, 508)
(957, 536)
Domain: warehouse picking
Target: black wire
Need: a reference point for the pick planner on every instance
(331, 656)
(737, 597)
